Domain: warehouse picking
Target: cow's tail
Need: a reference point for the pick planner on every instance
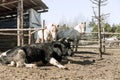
(4, 53)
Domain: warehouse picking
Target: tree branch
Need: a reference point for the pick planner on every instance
(94, 2)
(94, 13)
(102, 1)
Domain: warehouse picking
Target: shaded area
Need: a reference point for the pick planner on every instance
(85, 52)
(88, 52)
(84, 62)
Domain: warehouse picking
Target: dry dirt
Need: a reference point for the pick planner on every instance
(82, 66)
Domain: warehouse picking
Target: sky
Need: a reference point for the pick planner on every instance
(70, 11)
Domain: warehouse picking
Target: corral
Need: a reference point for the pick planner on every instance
(83, 65)
(92, 42)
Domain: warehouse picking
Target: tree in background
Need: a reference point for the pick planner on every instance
(72, 22)
(113, 28)
(117, 30)
(99, 4)
(94, 28)
(63, 27)
(107, 28)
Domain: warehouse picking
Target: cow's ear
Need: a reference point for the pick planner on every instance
(60, 40)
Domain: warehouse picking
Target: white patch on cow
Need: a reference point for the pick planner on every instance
(69, 51)
(50, 33)
(54, 62)
(47, 36)
(81, 27)
(12, 64)
(4, 53)
(19, 64)
(30, 65)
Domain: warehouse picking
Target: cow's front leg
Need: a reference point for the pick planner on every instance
(20, 58)
(12, 64)
(20, 63)
(54, 62)
(76, 45)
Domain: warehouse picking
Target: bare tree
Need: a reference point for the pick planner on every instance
(99, 3)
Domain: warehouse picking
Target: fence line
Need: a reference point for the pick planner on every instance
(30, 32)
(102, 33)
(33, 30)
(2, 33)
(25, 29)
(104, 46)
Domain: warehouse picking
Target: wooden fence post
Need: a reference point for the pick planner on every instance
(29, 36)
(99, 30)
(103, 42)
(20, 37)
(43, 31)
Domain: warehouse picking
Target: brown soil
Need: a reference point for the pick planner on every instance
(82, 66)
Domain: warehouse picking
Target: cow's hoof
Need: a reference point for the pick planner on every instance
(66, 68)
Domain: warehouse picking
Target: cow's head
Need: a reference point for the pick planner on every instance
(3, 60)
(53, 30)
(81, 28)
(3, 56)
(64, 47)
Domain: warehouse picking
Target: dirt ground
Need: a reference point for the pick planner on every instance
(82, 66)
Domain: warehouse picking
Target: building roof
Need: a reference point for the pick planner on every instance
(9, 7)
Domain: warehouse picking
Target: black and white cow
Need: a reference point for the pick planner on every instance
(27, 55)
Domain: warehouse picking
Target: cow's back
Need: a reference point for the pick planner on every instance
(36, 52)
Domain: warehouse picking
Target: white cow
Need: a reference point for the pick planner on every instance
(73, 34)
(110, 41)
(49, 34)
(53, 30)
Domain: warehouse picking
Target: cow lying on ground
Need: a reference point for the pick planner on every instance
(27, 55)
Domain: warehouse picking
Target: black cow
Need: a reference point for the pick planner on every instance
(46, 52)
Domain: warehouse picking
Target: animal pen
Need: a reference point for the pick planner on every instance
(17, 19)
(90, 42)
